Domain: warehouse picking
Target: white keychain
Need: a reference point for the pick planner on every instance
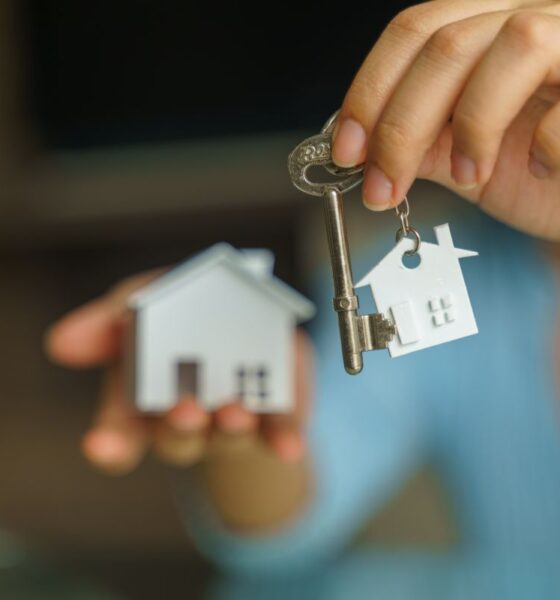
(428, 302)
(418, 306)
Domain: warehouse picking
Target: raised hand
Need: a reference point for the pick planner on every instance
(464, 94)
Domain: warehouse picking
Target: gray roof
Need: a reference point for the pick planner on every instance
(255, 266)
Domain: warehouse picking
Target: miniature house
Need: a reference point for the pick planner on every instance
(429, 304)
(218, 327)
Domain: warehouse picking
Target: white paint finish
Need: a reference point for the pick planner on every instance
(403, 314)
(436, 281)
(444, 240)
(259, 262)
(223, 321)
(247, 264)
(447, 300)
(438, 319)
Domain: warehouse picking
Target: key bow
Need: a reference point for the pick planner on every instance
(315, 151)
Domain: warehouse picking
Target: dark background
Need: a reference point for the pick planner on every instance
(137, 70)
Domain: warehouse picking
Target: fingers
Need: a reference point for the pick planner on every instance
(544, 159)
(182, 439)
(118, 440)
(521, 58)
(111, 450)
(188, 416)
(181, 436)
(87, 336)
(421, 106)
(92, 334)
(285, 438)
(386, 64)
(235, 419)
(177, 448)
(285, 434)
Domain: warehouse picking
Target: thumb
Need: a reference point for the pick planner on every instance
(92, 334)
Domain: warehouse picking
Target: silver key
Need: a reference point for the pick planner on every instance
(358, 333)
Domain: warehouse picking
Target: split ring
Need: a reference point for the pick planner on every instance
(403, 232)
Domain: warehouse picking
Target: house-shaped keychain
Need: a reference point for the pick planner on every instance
(429, 303)
(218, 327)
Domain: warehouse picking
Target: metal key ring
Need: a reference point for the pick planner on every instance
(406, 232)
(403, 212)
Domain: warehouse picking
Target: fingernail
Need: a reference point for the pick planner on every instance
(537, 168)
(378, 189)
(349, 143)
(463, 171)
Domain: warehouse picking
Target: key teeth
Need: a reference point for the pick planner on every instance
(375, 332)
(386, 330)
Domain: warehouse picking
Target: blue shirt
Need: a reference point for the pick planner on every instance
(483, 410)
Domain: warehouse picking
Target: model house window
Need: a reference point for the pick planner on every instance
(262, 383)
(253, 381)
(442, 309)
(242, 382)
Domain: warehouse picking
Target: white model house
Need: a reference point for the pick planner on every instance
(219, 327)
(429, 304)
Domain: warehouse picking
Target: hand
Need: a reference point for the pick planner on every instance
(464, 94)
(120, 436)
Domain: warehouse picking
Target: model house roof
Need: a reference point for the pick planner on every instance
(444, 244)
(253, 266)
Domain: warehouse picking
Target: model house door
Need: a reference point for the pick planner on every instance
(405, 320)
(188, 378)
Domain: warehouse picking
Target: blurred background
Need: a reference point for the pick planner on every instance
(131, 135)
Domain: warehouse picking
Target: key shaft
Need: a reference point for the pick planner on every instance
(345, 302)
